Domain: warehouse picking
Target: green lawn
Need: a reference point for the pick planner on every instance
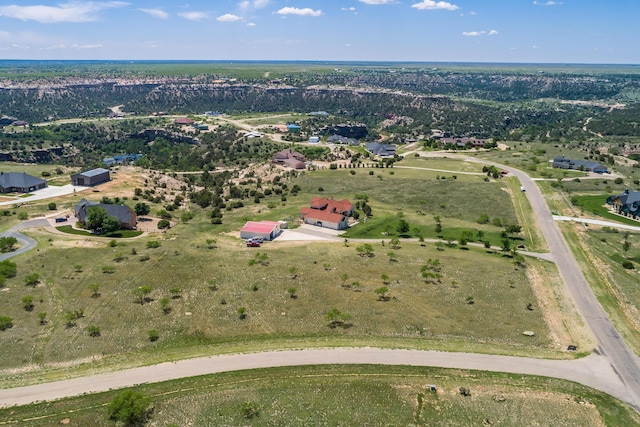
(595, 205)
(347, 396)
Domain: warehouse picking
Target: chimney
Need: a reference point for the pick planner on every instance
(626, 191)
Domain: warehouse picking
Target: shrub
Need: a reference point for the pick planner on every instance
(5, 323)
(8, 269)
(152, 244)
(52, 206)
(163, 224)
(627, 264)
(130, 408)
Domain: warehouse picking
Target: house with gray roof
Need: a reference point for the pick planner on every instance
(562, 162)
(91, 177)
(123, 213)
(20, 182)
(382, 150)
(626, 203)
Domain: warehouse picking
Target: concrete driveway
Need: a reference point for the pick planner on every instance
(46, 193)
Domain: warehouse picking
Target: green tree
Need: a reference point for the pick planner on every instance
(8, 269)
(130, 408)
(336, 318)
(385, 278)
(27, 303)
(506, 245)
(95, 217)
(438, 228)
(32, 279)
(8, 244)
(153, 335)
(43, 317)
(292, 293)
(110, 224)
(52, 206)
(6, 322)
(95, 289)
(142, 209)
(242, 312)
(93, 330)
(365, 250)
(393, 257)
(175, 292)
(142, 293)
(382, 293)
(293, 271)
(403, 226)
(395, 243)
(164, 304)
(250, 410)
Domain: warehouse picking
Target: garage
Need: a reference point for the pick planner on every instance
(266, 230)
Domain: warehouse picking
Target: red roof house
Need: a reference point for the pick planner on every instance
(267, 230)
(328, 213)
(184, 121)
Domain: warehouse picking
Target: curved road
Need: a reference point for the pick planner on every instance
(593, 371)
(609, 343)
(613, 368)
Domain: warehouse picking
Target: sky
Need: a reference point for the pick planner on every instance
(512, 31)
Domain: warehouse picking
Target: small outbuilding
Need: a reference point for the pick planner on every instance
(266, 230)
(91, 177)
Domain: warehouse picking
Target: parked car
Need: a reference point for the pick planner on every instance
(253, 244)
(61, 219)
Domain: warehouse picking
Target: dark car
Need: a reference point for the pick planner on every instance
(253, 244)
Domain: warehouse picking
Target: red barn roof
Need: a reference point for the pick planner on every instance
(260, 227)
(184, 121)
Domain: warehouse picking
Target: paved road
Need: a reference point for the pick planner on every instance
(26, 243)
(593, 371)
(597, 222)
(609, 343)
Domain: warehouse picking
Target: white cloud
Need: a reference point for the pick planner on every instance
(86, 46)
(251, 24)
(493, 32)
(65, 12)
(435, 5)
(472, 13)
(547, 3)
(229, 18)
(473, 33)
(195, 16)
(377, 1)
(300, 12)
(255, 4)
(56, 47)
(534, 47)
(156, 13)
(348, 9)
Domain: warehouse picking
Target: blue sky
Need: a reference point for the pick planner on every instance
(552, 31)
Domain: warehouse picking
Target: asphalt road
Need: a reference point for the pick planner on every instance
(593, 371)
(26, 243)
(609, 343)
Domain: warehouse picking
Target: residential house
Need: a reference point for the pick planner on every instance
(293, 128)
(91, 177)
(626, 203)
(266, 230)
(381, 150)
(121, 159)
(123, 213)
(464, 142)
(290, 158)
(328, 213)
(20, 182)
(562, 162)
(184, 121)
(339, 139)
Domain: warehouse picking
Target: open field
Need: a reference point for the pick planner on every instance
(441, 163)
(350, 395)
(35, 169)
(215, 282)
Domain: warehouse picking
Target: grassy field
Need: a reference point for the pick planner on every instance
(34, 169)
(450, 312)
(350, 395)
(595, 205)
(442, 163)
